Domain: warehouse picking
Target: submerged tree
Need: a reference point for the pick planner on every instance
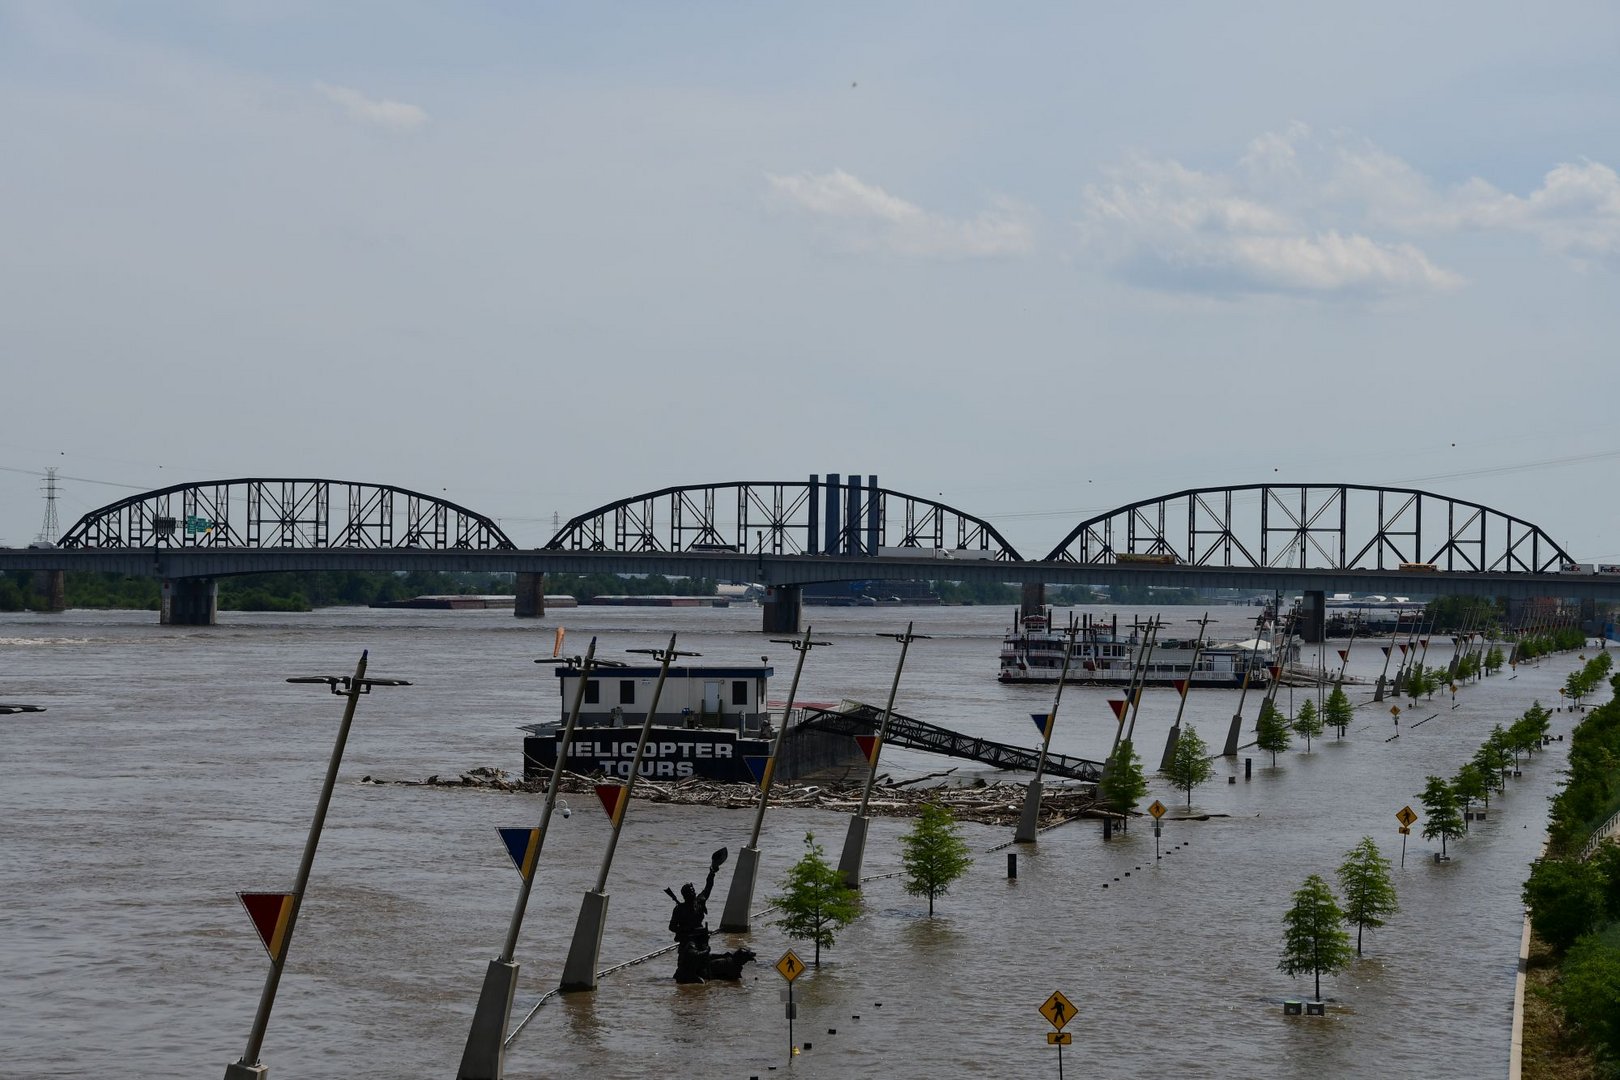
(1189, 765)
(1314, 937)
(1369, 892)
(815, 903)
(1271, 730)
(1444, 819)
(1337, 712)
(1123, 783)
(1308, 723)
(933, 854)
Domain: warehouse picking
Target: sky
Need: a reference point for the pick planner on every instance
(1035, 261)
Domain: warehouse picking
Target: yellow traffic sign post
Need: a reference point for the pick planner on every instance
(1157, 810)
(790, 967)
(1058, 1011)
(1406, 816)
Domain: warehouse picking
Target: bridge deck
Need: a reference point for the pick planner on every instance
(858, 718)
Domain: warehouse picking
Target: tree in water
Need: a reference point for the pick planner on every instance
(815, 903)
(1444, 819)
(1337, 712)
(1271, 730)
(933, 854)
(1314, 937)
(1469, 784)
(1308, 723)
(1189, 765)
(1369, 892)
(1123, 783)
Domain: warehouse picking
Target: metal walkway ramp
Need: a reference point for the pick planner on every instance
(858, 718)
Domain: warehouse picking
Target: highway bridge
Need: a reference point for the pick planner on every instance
(1309, 538)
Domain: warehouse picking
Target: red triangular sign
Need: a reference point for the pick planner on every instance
(1403, 648)
(270, 912)
(1344, 654)
(610, 794)
(1424, 642)
(1276, 671)
(1119, 709)
(869, 747)
(1181, 687)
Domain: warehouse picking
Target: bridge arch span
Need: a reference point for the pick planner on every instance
(831, 516)
(258, 512)
(1312, 526)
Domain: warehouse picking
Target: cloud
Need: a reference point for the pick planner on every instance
(393, 115)
(1165, 226)
(864, 217)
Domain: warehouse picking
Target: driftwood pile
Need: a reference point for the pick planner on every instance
(994, 802)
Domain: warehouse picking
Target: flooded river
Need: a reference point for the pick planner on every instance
(175, 766)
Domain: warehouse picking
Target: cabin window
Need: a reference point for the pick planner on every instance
(739, 691)
(593, 692)
(627, 691)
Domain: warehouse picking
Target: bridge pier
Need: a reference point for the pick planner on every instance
(1312, 623)
(1034, 600)
(531, 595)
(783, 605)
(50, 586)
(189, 602)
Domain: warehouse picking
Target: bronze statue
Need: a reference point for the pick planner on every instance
(689, 923)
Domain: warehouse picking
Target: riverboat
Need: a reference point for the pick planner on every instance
(713, 721)
(1032, 652)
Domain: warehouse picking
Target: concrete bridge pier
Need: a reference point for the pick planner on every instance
(783, 606)
(51, 588)
(1034, 599)
(531, 595)
(189, 602)
(1313, 616)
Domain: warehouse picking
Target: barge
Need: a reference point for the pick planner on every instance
(713, 721)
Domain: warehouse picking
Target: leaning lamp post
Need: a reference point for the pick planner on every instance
(276, 914)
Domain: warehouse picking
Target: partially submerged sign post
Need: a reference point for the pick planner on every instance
(1157, 810)
(790, 967)
(1058, 1011)
(1406, 816)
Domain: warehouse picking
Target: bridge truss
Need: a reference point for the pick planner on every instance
(285, 513)
(832, 516)
(1312, 526)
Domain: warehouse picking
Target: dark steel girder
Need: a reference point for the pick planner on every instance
(777, 518)
(259, 513)
(1314, 526)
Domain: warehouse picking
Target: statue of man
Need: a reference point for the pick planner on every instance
(689, 923)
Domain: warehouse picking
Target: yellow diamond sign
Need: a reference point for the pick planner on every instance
(1058, 1010)
(790, 967)
(1405, 816)
(1157, 809)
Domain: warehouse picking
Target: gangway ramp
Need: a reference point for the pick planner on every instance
(859, 718)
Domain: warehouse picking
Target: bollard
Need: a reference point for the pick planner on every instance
(1012, 866)
(1248, 768)
(1231, 779)
(1108, 828)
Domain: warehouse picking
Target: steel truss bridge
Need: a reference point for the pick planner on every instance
(1260, 537)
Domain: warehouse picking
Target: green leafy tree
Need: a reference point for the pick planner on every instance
(1123, 783)
(1189, 764)
(1337, 711)
(1495, 757)
(1588, 987)
(1469, 784)
(1308, 723)
(1369, 891)
(933, 854)
(1494, 660)
(1314, 937)
(1271, 730)
(1566, 899)
(1444, 819)
(815, 903)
